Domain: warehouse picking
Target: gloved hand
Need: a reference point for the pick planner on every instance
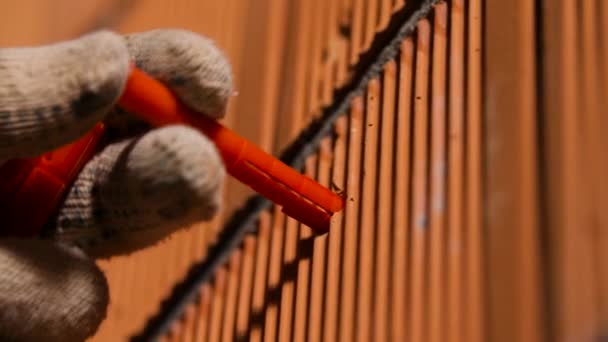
(142, 186)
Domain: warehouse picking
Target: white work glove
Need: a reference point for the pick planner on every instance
(144, 185)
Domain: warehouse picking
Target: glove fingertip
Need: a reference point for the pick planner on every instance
(193, 66)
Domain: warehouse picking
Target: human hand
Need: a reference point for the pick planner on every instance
(144, 185)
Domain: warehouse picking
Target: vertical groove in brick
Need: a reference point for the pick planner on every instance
(335, 179)
(384, 226)
(246, 286)
(318, 284)
(474, 314)
(349, 233)
(438, 248)
(189, 321)
(419, 219)
(343, 36)
(233, 282)
(590, 135)
(303, 259)
(370, 24)
(288, 279)
(330, 53)
(259, 297)
(356, 29)
(402, 227)
(365, 285)
(291, 114)
(385, 14)
(455, 246)
(202, 310)
(217, 305)
(271, 314)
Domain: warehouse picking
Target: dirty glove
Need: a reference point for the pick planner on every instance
(142, 186)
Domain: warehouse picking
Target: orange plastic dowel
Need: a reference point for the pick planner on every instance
(301, 197)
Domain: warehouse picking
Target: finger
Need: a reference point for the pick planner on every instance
(137, 192)
(49, 292)
(51, 95)
(191, 65)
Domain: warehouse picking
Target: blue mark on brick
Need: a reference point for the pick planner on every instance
(422, 222)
